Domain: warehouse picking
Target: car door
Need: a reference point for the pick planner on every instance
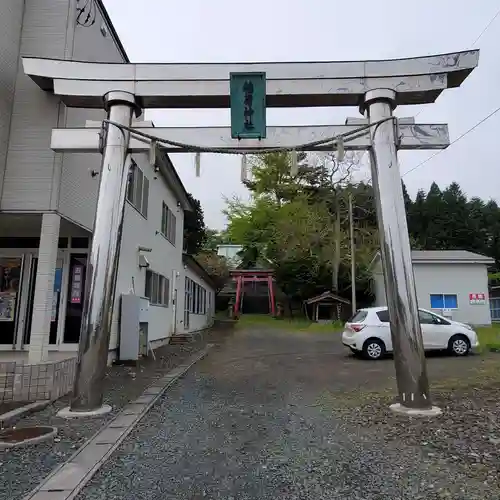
(442, 332)
(434, 332)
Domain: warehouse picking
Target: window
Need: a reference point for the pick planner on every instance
(443, 301)
(359, 317)
(383, 316)
(168, 223)
(426, 318)
(196, 297)
(495, 308)
(138, 190)
(157, 288)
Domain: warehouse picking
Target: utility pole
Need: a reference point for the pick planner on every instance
(353, 260)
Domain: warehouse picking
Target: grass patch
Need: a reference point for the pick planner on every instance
(489, 338)
(290, 324)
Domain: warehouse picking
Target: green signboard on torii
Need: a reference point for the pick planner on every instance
(248, 105)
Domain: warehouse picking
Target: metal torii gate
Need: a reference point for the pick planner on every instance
(376, 87)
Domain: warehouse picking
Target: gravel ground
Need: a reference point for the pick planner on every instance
(22, 469)
(290, 416)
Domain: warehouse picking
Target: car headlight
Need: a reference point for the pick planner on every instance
(468, 327)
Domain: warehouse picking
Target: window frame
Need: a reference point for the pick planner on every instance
(196, 296)
(168, 223)
(138, 197)
(157, 289)
(443, 300)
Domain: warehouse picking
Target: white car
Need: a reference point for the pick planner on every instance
(368, 332)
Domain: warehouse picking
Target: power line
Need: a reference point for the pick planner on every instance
(485, 29)
(486, 118)
(492, 20)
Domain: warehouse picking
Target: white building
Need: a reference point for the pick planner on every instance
(48, 201)
(230, 252)
(453, 283)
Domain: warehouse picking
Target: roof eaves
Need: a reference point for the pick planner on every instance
(483, 261)
(195, 266)
(112, 28)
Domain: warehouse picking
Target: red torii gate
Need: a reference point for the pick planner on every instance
(242, 276)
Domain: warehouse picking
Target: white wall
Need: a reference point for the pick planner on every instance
(459, 279)
(197, 321)
(164, 258)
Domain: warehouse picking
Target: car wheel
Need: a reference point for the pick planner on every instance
(459, 345)
(373, 349)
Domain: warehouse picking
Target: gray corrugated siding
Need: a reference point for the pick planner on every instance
(36, 179)
(28, 183)
(447, 255)
(78, 194)
(11, 18)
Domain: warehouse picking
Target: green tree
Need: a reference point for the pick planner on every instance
(299, 224)
(214, 238)
(194, 227)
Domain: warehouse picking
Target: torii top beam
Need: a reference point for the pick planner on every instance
(417, 80)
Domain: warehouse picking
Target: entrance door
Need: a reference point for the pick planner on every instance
(56, 299)
(74, 306)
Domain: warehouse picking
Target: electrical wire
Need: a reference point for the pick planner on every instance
(480, 122)
(485, 29)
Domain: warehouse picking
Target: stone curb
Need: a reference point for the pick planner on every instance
(12, 416)
(68, 479)
(27, 442)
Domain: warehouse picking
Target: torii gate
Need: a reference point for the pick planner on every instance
(376, 87)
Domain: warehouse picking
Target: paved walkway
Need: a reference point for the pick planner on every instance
(255, 420)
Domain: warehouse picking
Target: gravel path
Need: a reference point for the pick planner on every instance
(24, 468)
(273, 415)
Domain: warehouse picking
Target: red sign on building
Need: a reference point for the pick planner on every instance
(477, 298)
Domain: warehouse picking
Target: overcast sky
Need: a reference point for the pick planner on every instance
(329, 30)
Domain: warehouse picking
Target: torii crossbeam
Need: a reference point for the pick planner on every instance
(376, 87)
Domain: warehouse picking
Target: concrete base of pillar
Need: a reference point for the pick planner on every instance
(415, 412)
(67, 413)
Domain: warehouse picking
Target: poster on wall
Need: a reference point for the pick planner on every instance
(10, 274)
(7, 306)
(55, 302)
(477, 298)
(76, 285)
